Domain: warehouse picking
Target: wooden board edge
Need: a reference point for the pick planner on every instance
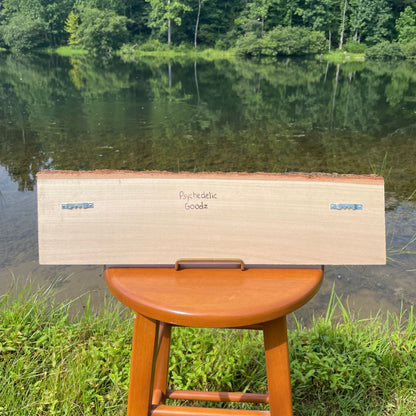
(291, 176)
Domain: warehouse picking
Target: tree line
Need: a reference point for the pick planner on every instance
(254, 27)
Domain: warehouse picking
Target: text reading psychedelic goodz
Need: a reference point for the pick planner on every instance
(196, 200)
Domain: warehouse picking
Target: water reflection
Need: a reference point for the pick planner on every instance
(59, 113)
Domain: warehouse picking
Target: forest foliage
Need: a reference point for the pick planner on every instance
(386, 28)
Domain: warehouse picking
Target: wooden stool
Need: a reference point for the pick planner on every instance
(152, 219)
(209, 298)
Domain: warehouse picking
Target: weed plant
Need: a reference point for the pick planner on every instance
(55, 364)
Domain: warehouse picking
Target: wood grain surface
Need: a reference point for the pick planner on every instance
(156, 218)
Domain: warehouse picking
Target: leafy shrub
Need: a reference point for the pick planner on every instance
(154, 45)
(249, 45)
(221, 45)
(409, 49)
(384, 51)
(282, 41)
(101, 31)
(24, 33)
(293, 41)
(355, 47)
(183, 47)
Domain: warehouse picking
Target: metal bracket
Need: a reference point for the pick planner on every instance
(209, 263)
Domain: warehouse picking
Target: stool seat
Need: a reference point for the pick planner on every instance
(214, 297)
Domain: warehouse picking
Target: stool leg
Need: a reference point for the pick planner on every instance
(142, 366)
(162, 364)
(277, 365)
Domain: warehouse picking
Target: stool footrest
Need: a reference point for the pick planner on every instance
(217, 396)
(163, 410)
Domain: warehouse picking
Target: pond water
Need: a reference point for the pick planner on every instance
(289, 115)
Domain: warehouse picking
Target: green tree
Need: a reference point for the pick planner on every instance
(292, 8)
(378, 19)
(406, 25)
(117, 6)
(260, 15)
(164, 12)
(23, 33)
(368, 21)
(71, 27)
(54, 13)
(51, 12)
(259, 10)
(101, 31)
(216, 23)
(319, 15)
(357, 19)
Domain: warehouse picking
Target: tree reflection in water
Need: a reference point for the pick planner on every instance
(156, 114)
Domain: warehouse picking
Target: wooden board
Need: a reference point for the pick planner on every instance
(156, 218)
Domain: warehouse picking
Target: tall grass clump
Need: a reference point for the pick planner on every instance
(52, 363)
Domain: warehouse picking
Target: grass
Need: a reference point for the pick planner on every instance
(412, 195)
(52, 365)
(156, 49)
(70, 51)
(339, 57)
(55, 364)
(382, 170)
